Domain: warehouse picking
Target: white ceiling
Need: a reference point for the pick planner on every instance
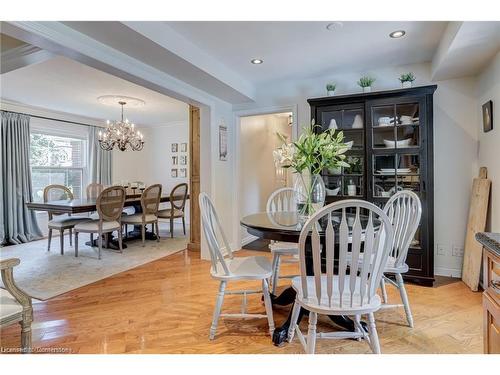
(294, 50)
(64, 85)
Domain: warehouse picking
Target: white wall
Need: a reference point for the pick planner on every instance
(489, 143)
(258, 140)
(153, 163)
(455, 141)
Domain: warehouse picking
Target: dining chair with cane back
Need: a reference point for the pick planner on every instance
(150, 200)
(94, 189)
(178, 197)
(59, 221)
(109, 206)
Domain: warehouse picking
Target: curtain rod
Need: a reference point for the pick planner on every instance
(53, 119)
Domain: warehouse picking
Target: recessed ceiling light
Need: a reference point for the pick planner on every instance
(334, 25)
(397, 34)
(256, 61)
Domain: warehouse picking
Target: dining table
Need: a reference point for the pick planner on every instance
(286, 227)
(86, 205)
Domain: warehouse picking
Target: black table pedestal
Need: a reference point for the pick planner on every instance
(287, 297)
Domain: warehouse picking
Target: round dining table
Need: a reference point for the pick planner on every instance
(286, 226)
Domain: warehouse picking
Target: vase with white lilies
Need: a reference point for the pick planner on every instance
(308, 157)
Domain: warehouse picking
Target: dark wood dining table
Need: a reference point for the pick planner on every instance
(286, 226)
(77, 206)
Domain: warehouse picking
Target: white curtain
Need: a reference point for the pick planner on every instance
(99, 159)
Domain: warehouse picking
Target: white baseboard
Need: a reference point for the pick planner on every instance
(249, 238)
(450, 272)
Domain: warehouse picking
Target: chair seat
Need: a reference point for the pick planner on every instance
(8, 305)
(290, 248)
(311, 303)
(60, 222)
(137, 218)
(167, 213)
(250, 268)
(95, 215)
(92, 226)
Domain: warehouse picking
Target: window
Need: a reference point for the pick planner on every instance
(57, 160)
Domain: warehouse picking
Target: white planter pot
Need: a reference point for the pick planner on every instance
(367, 89)
(330, 92)
(406, 84)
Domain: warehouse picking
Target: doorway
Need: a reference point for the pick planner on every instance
(258, 175)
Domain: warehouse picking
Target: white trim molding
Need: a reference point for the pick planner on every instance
(22, 56)
(449, 272)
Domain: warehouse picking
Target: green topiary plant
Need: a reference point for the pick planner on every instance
(366, 81)
(331, 86)
(407, 77)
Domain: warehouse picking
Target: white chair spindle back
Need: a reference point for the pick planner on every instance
(404, 210)
(282, 200)
(211, 226)
(370, 247)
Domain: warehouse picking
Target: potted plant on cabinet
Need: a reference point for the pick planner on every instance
(366, 83)
(330, 89)
(308, 156)
(407, 80)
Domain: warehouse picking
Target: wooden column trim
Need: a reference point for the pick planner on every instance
(194, 179)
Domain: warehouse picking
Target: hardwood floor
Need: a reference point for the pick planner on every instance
(166, 307)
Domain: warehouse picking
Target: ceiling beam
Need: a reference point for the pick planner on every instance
(19, 57)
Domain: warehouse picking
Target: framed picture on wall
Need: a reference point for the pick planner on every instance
(183, 160)
(222, 142)
(184, 147)
(175, 147)
(183, 172)
(488, 116)
(174, 160)
(173, 172)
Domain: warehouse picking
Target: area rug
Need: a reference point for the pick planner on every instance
(44, 275)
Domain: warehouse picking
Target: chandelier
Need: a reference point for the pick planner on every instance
(121, 134)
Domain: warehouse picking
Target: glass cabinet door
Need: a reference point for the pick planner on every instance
(395, 126)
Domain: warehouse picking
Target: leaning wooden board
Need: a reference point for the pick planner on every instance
(477, 221)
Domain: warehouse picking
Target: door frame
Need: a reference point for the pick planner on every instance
(237, 157)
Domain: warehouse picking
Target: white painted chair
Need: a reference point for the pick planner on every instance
(343, 290)
(282, 200)
(226, 268)
(404, 211)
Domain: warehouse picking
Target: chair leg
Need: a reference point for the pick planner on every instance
(184, 225)
(100, 245)
(384, 291)
(49, 240)
(293, 321)
(143, 234)
(268, 304)
(70, 236)
(404, 298)
(276, 271)
(91, 239)
(26, 336)
(372, 329)
(157, 231)
(357, 318)
(61, 241)
(120, 237)
(126, 230)
(76, 244)
(311, 334)
(217, 310)
(171, 227)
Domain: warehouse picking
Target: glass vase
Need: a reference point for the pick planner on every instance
(310, 194)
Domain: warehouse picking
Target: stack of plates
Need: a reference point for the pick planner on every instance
(393, 171)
